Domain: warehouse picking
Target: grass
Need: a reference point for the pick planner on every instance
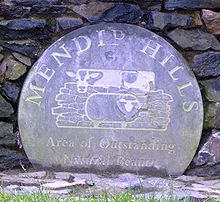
(105, 197)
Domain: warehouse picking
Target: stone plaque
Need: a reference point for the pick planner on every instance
(111, 98)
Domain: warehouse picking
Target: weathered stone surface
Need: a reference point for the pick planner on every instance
(209, 154)
(159, 20)
(207, 64)
(205, 171)
(23, 59)
(183, 188)
(212, 116)
(138, 104)
(23, 24)
(78, 2)
(11, 158)
(12, 11)
(194, 39)
(189, 4)
(33, 2)
(5, 108)
(7, 137)
(122, 12)
(1, 49)
(49, 9)
(1, 57)
(10, 90)
(23, 29)
(27, 47)
(212, 21)
(68, 22)
(15, 69)
(3, 69)
(212, 89)
(91, 11)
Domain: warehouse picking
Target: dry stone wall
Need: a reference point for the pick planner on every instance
(28, 27)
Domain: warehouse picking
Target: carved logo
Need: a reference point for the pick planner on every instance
(112, 99)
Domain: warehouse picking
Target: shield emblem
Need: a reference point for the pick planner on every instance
(128, 106)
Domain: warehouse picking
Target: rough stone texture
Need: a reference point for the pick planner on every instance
(191, 4)
(26, 47)
(5, 108)
(3, 69)
(68, 22)
(212, 21)
(211, 89)
(90, 185)
(92, 11)
(33, 2)
(23, 59)
(194, 39)
(1, 57)
(209, 154)
(10, 90)
(123, 13)
(49, 9)
(7, 137)
(23, 29)
(212, 116)
(15, 69)
(207, 64)
(12, 11)
(159, 20)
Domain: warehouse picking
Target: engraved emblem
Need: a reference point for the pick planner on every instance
(92, 99)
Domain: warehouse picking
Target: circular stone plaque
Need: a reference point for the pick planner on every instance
(111, 97)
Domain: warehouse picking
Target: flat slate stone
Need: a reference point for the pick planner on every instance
(5, 108)
(207, 64)
(110, 98)
(212, 21)
(189, 4)
(194, 39)
(159, 20)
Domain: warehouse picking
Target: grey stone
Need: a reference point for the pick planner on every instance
(14, 11)
(212, 115)
(209, 154)
(107, 112)
(23, 24)
(1, 57)
(23, 59)
(23, 29)
(78, 2)
(123, 12)
(91, 11)
(1, 49)
(207, 64)
(68, 22)
(159, 20)
(189, 4)
(3, 69)
(10, 90)
(194, 39)
(5, 108)
(59, 184)
(6, 135)
(11, 158)
(212, 21)
(27, 47)
(211, 89)
(32, 2)
(38, 175)
(15, 69)
(49, 9)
